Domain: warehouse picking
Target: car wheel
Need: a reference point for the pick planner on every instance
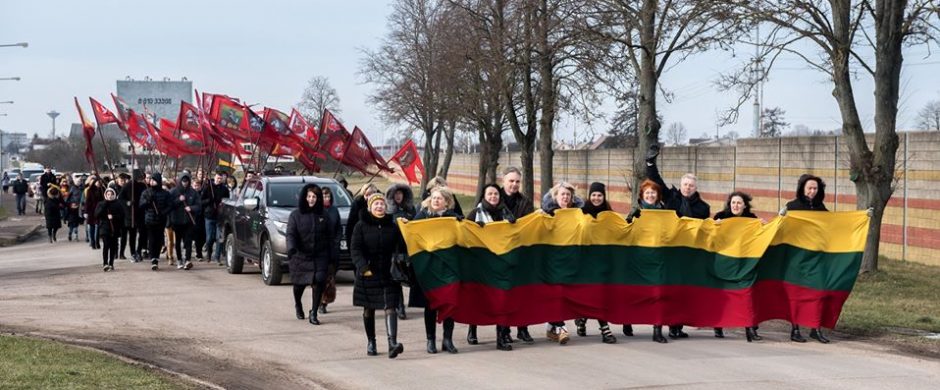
(270, 268)
(232, 259)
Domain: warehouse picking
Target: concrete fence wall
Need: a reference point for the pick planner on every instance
(768, 170)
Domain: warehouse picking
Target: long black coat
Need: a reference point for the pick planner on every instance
(416, 297)
(178, 214)
(115, 227)
(53, 212)
(374, 242)
(311, 246)
(130, 198)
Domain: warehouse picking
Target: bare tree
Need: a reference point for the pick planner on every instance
(848, 35)
(652, 36)
(772, 123)
(929, 117)
(676, 133)
(318, 96)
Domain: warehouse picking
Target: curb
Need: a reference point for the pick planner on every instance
(10, 241)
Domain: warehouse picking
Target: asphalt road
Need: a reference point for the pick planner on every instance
(233, 331)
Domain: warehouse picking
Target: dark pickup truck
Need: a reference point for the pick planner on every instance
(254, 223)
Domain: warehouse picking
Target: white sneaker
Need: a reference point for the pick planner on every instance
(179, 266)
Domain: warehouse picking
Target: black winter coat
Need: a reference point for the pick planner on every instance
(802, 203)
(212, 198)
(519, 204)
(357, 208)
(53, 212)
(20, 187)
(692, 207)
(311, 246)
(725, 214)
(178, 214)
(416, 297)
(374, 242)
(130, 198)
(114, 227)
(156, 203)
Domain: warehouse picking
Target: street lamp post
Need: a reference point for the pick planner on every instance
(21, 44)
(10, 78)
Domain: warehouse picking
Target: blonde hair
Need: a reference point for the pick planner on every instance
(368, 189)
(560, 186)
(448, 198)
(436, 182)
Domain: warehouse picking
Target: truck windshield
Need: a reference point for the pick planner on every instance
(285, 194)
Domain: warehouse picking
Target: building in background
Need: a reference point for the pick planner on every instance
(159, 97)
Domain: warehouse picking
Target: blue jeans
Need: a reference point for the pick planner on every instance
(213, 243)
(91, 233)
(20, 204)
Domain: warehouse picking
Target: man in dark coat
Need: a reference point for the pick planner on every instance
(45, 179)
(375, 240)
(685, 200)
(211, 205)
(156, 203)
(20, 189)
(133, 214)
(311, 248)
(520, 205)
(185, 206)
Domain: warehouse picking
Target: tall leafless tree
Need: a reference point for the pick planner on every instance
(319, 95)
(773, 123)
(676, 133)
(928, 118)
(855, 38)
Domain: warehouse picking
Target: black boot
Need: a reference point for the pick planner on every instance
(300, 311)
(369, 324)
(501, 335)
(816, 334)
(719, 333)
(755, 335)
(323, 308)
(432, 344)
(628, 330)
(448, 343)
(795, 335)
(391, 328)
(400, 311)
(749, 333)
(523, 334)
(313, 317)
(607, 336)
(580, 325)
(658, 334)
(472, 335)
(675, 332)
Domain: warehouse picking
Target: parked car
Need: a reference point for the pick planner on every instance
(254, 223)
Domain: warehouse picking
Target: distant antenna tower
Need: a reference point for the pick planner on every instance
(53, 114)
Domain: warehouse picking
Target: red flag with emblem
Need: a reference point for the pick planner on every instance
(123, 109)
(301, 128)
(407, 159)
(188, 122)
(360, 154)
(102, 114)
(335, 144)
(329, 125)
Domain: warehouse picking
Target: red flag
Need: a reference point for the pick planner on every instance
(229, 116)
(102, 114)
(329, 125)
(277, 121)
(335, 144)
(188, 121)
(407, 159)
(88, 130)
(122, 109)
(137, 129)
(298, 124)
(360, 154)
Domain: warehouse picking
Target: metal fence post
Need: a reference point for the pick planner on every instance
(904, 209)
(779, 170)
(835, 175)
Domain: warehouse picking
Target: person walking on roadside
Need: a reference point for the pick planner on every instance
(311, 249)
(6, 183)
(332, 216)
(211, 205)
(156, 203)
(110, 217)
(520, 205)
(20, 189)
(375, 239)
(400, 205)
(184, 206)
(199, 229)
(94, 194)
(52, 212)
(73, 205)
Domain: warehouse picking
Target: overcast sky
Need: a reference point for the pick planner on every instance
(264, 52)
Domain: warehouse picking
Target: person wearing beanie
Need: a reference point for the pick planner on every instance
(375, 240)
(156, 203)
(110, 216)
(597, 202)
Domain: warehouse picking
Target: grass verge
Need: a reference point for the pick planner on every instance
(27, 363)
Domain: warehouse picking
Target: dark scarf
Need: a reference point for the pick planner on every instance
(590, 208)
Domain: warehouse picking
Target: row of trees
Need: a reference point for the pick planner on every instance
(490, 66)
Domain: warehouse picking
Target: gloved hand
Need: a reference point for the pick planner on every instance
(634, 214)
(871, 212)
(481, 223)
(783, 211)
(651, 154)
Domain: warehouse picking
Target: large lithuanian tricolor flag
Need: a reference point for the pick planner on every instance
(658, 270)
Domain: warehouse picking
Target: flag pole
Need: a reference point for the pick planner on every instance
(107, 154)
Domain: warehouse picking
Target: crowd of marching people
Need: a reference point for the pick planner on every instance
(144, 216)
(376, 244)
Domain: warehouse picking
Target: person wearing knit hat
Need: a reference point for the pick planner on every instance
(110, 217)
(596, 203)
(375, 241)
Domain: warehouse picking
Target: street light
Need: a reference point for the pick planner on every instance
(21, 44)
(10, 78)
(7, 102)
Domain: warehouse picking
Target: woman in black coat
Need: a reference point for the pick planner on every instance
(311, 248)
(400, 205)
(375, 240)
(437, 204)
(597, 202)
(110, 217)
(810, 193)
(738, 205)
(332, 215)
(52, 211)
(492, 208)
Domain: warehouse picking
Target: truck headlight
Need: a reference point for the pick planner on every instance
(280, 226)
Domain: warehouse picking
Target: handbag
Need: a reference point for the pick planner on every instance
(402, 270)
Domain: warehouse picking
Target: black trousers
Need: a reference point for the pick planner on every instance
(154, 241)
(184, 241)
(199, 235)
(109, 247)
(142, 239)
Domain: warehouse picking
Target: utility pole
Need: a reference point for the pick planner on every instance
(757, 77)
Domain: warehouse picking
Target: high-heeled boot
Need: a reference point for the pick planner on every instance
(391, 329)
(369, 324)
(658, 334)
(472, 335)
